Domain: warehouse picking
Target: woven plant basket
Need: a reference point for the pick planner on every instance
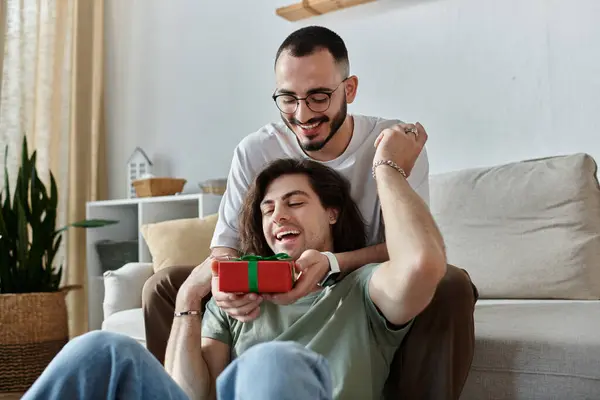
(34, 328)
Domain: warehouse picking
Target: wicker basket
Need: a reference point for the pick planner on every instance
(151, 187)
(34, 330)
(214, 186)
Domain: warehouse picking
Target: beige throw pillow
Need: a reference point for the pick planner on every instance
(524, 230)
(179, 242)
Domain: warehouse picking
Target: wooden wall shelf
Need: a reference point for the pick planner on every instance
(311, 8)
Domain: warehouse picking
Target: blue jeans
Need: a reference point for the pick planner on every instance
(105, 365)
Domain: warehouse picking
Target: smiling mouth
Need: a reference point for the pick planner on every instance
(309, 127)
(287, 235)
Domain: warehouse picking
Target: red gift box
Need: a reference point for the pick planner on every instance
(252, 274)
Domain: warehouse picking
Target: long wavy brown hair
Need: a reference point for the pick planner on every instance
(333, 190)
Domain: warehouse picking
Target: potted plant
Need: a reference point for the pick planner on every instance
(33, 312)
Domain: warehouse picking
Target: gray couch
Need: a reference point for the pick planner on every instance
(529, 235)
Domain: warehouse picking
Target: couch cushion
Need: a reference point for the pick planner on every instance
(536, 350)
(179, 242)
(128, 322)
(524, 230)
(123, 287)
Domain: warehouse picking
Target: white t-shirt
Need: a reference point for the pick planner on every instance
(275, 141)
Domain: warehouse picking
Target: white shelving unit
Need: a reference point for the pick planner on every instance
(132, 214)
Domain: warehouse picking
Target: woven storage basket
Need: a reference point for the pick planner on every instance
(214, 186)
(158, 186)
(34, 329)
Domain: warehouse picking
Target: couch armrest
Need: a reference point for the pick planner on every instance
(123, 287)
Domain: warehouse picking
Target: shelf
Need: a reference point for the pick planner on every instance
(311, 8)
(158, 199)
(132, 214)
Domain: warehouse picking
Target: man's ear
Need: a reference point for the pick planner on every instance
(351, 87)
(333, 215)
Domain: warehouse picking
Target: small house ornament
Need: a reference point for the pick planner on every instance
(139, 166)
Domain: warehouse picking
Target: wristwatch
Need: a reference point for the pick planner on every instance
(334, 270)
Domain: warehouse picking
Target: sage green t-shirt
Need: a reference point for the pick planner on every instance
(339, 322)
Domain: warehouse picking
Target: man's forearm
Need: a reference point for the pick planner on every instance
(223, 251)
(352, 260)
(184, 360)
(405, 285)
(411, 232)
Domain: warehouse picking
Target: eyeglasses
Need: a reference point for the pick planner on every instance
(316, 101)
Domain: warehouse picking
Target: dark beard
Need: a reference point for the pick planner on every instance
(336, 124)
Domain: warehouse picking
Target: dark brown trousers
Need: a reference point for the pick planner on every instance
(432, 363)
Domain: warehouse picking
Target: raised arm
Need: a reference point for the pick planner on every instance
(405, 284)
(192, 361)
(419, 181)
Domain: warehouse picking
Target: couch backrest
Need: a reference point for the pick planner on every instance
(529, 229)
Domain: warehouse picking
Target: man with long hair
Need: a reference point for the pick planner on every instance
(335, 342)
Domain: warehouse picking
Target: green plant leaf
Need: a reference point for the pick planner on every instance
(3, 231)
(55, 279)
(53, 250)
(22, 240)
(6, 179)
(88, 223)
(53, 200)
(24, 177)
(6, 270)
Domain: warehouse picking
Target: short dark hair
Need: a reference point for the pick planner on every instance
(305, 41)
(333, 190)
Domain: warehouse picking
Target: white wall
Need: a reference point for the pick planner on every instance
(492, 81)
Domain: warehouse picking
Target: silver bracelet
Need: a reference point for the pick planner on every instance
(190, 312)
(389, 163)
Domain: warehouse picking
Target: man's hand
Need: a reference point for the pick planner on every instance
(400, 145)
(313, 266)
(195, 287)
(243, 307)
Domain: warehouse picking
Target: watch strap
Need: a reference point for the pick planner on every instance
(334, 266)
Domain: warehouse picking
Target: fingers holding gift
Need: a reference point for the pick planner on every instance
(248, 311)
(231, 301)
